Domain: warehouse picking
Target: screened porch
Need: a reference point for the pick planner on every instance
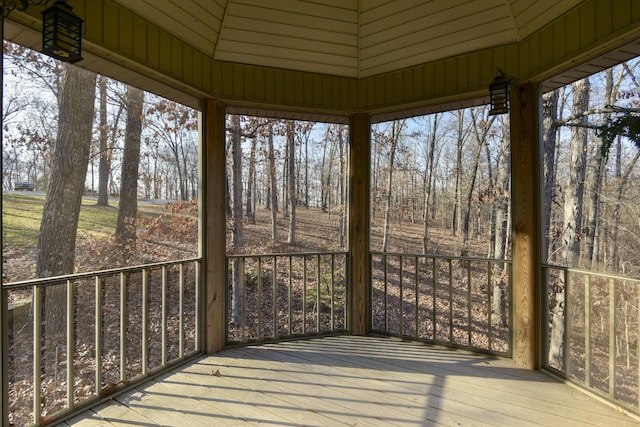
(356, 333)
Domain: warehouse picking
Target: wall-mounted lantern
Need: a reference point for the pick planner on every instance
(499, 92)
(62, 32)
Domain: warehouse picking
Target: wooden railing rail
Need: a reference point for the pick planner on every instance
(461, 302)
(286, 295)
(74, 340)
(592, 332)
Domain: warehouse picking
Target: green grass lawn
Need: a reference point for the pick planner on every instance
(22, 213)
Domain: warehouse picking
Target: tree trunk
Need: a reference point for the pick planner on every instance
(550, 102)
(273, 187)
(237, 231)
(57, 238)
(306, 172)
(323, 189)
(104, 164)
(574, 194)
(285, 182)
(343, 184)
(549, 138)
(251, 182)
(291, 149)
(457, 215)
(128, 207)
(595, 178)
(395, 138)
(621, 181)
(503, 189)
(428, 185)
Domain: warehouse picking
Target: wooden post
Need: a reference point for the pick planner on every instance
(215, 220)
(359, 165)
(526, 225)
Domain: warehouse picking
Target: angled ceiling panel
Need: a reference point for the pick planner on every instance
(196, 22)
(303, 35)
(348, 38)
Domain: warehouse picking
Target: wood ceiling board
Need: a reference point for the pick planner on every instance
(391, 22)
(296, 35)
(387, 10)
(415, 36)
(444, 45)
(273, 18)
(259, 28)
(537, 15)
(281, 58)
(187, 20)
(347, 11)
(273, 41)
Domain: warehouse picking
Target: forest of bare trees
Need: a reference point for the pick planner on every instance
(78, 137)
(441, 185)
(169, 139)
(591, 173)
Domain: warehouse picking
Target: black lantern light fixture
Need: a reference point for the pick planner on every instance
(499, 91)
(62, 32)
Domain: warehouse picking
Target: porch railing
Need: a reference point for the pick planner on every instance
(280, 296)
(452, 301)
(73, 340)
(593, 332)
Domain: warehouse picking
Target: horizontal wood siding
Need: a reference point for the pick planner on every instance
(301, 35)
(586, 30)
(557, 47)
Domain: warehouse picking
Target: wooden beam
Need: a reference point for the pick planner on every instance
(526, 225)
(215, 220)
(359, 164)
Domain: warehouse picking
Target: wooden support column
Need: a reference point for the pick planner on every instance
(215, 219)
(359, 164)
(526, 226)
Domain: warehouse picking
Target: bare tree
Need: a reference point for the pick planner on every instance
(462, 134)
(273, 192)
(393, 140)
(128, 207)
(174, 125)
(428, 181)
(291, 149)
(481, 140)
(57, 237)
(574, 189)
(236, 227)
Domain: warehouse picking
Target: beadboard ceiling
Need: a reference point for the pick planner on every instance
(348, 38)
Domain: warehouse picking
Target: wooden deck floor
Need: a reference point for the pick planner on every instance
(347, 380)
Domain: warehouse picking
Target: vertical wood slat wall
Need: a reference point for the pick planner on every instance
(559, 45)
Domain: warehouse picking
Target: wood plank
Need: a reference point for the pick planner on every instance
(337, 391)
(464, 373)
(260, 404)
(352, 380)
(391, 402)
(192, 411)
(114, 414)
(303, 390)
